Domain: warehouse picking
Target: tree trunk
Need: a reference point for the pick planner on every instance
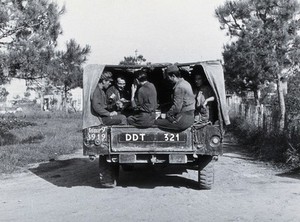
(42, 101)
(42, 93)
(65, 99)
(256, 97)
(59, 103)
(281, 104)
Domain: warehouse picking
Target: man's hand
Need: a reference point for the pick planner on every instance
(112, 96)
(133, 89)
(113, 113)
(119, 104)
(123, 100)
(200, 99)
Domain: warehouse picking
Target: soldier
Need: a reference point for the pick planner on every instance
(143, 101)
(205, 97)
(99, 103)
(118, 97)
(181, 114)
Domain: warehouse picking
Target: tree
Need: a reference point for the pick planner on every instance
(242, 67)
(133, 60)
(3, 94)
(42, 87)
(265, 43)
(67, 68)
(28, 34)
(30, 60)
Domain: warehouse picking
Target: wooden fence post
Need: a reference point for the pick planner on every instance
(255, 116)
(242, 114)
(265, 124)
(261, 116)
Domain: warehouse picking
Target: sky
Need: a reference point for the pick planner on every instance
(160, 30)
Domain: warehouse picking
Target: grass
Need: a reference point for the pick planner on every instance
(39, 136)
(274, 146)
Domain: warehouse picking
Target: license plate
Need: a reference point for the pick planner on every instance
(99, 134)
(153, 137)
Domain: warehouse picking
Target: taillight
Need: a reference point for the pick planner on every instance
(215, 141)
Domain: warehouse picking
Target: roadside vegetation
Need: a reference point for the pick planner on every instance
(265, 140)
(264, 50)
(274, 147)
(37, 136)
(28, 50)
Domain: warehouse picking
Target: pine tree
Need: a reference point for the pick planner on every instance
(67, 68)
(265, 43)
(28, 34)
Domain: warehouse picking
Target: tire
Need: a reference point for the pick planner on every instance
(108, 172)
(205, 172)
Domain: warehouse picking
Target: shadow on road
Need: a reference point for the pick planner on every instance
(69, 173)
(237, 151)
(83, 172)
(294, 173)
(150, 177)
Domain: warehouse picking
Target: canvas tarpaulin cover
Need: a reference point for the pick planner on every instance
(215, 76)
(92, 74)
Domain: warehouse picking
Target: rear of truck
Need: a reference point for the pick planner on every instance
(126, 146)
(197, 146)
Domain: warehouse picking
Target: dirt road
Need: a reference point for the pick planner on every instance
(67, 190)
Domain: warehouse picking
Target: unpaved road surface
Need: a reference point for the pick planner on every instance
(67, 190)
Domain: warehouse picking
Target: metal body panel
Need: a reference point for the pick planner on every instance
(118, 140)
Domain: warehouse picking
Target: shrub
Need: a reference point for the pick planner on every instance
(272, 146)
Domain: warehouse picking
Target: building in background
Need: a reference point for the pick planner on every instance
(19, 93)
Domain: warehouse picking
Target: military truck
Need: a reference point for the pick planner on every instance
(127, 146)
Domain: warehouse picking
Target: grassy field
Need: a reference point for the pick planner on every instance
(38, 136)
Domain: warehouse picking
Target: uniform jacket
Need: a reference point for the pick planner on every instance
(99, 102)
(183, 98)
(145, 98)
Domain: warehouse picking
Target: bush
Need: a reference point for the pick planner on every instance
(271, 147)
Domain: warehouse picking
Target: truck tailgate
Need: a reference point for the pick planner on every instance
(130, 139)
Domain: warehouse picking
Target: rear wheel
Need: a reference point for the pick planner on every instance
(205, 172)
(108, 172)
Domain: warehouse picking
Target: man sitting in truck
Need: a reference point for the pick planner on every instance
(143, 101)
(181, 114)
(118, 97)
(99, 102)
(205, 97)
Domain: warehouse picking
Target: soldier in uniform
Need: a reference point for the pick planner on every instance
(118, 98)
(181, 114)
(143, 101)
(205, 97)
(99, 102)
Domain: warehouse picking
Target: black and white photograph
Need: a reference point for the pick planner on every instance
(149, 110)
